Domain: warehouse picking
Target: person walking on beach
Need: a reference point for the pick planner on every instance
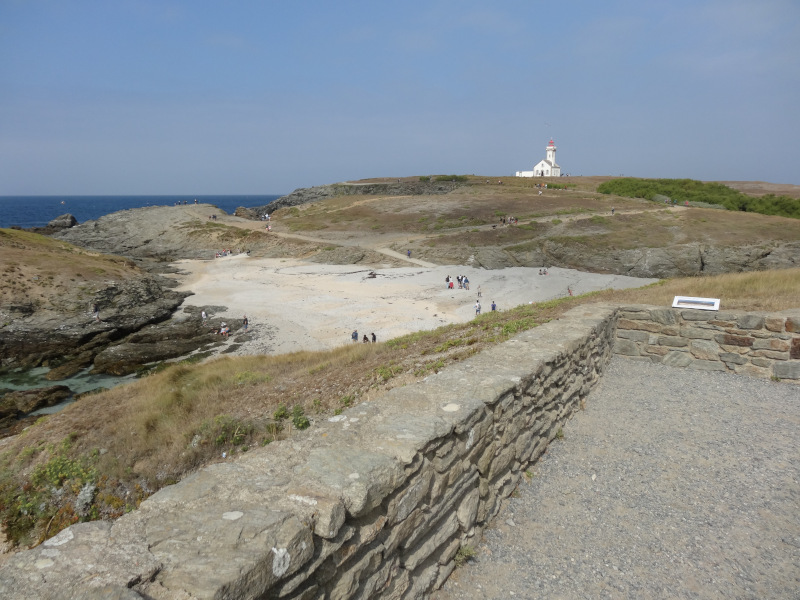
(477, 308)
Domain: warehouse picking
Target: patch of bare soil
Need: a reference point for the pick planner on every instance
(761, 188)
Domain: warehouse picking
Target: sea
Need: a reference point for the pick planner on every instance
(38, 211)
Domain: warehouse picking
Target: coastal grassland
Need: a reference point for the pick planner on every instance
(689, 190)
(659, 227)
(134, 439)
(41, 270)
(465, 207)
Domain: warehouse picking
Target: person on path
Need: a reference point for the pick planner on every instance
(354, 335)
(477, 307)
(612, 210)
(494, 306)
(245, 322)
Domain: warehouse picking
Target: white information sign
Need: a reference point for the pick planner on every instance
(698, 303)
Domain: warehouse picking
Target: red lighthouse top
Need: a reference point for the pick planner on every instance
(551, 142)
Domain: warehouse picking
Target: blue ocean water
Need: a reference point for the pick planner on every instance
(37, 211)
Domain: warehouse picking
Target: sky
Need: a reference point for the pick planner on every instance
(263, 97)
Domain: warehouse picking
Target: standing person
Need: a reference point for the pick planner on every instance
(245, 322)
(477, 308)
(354, 335)
(612, 210)
(203, 316)
(409, 254)
(479, 291)
(494, 306)
(374, 339)
(96, 312)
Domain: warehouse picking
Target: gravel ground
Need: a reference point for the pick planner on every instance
(672, 483)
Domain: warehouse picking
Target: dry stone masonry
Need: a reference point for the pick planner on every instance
(757, 344)
(378, 502)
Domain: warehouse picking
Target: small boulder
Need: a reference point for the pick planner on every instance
(63, 222)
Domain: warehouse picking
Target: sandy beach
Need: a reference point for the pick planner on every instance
(294, 305)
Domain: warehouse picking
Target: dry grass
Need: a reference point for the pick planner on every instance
(43, 271)
(759, 291)
(156, 430)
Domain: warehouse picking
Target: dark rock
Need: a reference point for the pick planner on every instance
(70, 368)
(25, 401)
(63, 222)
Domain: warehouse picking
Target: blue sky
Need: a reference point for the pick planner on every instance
(261, 97)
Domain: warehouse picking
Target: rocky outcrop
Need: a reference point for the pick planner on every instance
(69, 334)
(63, 222)
(673, 261)
(315, 194)
(14, 405)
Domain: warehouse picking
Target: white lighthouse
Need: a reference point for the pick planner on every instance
(544, 168)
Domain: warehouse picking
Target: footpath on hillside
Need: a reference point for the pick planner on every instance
(672, 483)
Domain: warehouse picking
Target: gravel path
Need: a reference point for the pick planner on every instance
(672, 483)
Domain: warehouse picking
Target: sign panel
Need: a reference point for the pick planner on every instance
(698, 303)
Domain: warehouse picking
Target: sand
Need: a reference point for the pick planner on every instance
(294, 305)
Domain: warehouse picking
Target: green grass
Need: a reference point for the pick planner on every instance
(682, 190)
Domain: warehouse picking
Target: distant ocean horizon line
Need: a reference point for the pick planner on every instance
(28, 211)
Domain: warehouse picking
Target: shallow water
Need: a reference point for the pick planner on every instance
(79, 383)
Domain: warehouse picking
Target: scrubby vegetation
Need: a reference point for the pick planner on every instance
(73, 466)
(698, 192)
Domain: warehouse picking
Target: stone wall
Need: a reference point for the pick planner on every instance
(757, 344)
(375, 502)
(378, 501)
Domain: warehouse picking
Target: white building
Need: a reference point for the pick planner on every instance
(546, 167)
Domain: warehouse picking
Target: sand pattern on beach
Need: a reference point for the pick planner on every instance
(294, 305)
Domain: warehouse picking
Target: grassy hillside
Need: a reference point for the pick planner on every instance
(158, 429)
(42, 271)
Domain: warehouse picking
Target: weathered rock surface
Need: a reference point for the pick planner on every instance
(14, 405)
(63, 222)
(321, 192)
(66, 332)
(673, 261)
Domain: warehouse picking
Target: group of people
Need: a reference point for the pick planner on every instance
(543, 271)
(463, 282)
(179, 203)
(224, 329)
(509, 220)
(366, 340)
(222, 253)
(478, 307)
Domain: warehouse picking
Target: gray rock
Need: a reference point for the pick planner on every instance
(63, 222)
